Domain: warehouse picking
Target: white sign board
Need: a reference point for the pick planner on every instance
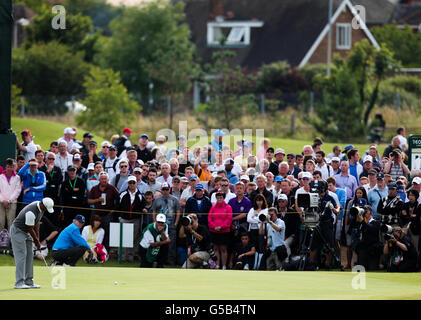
(127, 235)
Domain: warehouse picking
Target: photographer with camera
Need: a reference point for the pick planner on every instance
(395, 165)
(352, 227)
(273, 229)
(402, 253)
(368, 249)
(198, 239)
(390, 207)
(325, 227)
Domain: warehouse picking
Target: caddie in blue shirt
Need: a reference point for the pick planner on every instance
(70, 246)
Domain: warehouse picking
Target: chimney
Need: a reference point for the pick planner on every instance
(216, 8)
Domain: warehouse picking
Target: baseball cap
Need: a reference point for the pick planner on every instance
(199, 186)
(33, 162)
(184, 179)
(112, 147)
(71, 168)
(165, 185)
(372, 171)
(160, 138)
(176, 178)
(181, 137)
(361, 202)
(229, 161)
(368, 158)
(318, 141)
(279, 150)
(150, 145)
(347, 148)
(282, 197)
(49, 204)
(245, 177)
(131, 178)
(76, 157)
(291, 154)
(88, 135)
(307, 175)
(91, 166)
(270, 149)
(26, 131)
(137, 169)
(144, 135)
(416, 180)
(69, 130)
(80, 218)
(161, 218)
(279, 178)
(251, 171)
(128, 130)
(392, 185)
(219, 132)
(396, 150)
(93, 142)
(193, 177)
(380, 176)
(336, 159)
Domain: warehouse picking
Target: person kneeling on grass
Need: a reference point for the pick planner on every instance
(70, 246)
(153, 237)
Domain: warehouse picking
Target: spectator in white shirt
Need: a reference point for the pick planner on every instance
(63, 158)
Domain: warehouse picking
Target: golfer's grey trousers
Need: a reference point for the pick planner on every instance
(23, 254)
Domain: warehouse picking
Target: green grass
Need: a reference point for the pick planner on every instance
(167, 284)
(45, 131)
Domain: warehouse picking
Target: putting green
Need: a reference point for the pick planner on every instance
(166, 284)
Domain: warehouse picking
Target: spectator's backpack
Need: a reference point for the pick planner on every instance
(119, 144)
(4, 239)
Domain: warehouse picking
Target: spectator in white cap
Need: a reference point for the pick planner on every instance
(245, 179)
(68, 137)
(63, 158)
(416, 185)
(306, 178)
(335, 162)
(367, 165)
(153, 238)
(274, 165)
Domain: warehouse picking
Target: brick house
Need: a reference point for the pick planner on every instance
(263, 31)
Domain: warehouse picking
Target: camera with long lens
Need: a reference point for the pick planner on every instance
(263, 216)
(186, 221)
(310, 203)
(387, 231)
(356, 211)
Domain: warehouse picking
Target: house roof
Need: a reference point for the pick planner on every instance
(290, 28)
(407, 14)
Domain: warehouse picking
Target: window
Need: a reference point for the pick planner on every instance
(235, 33)
(343, 36)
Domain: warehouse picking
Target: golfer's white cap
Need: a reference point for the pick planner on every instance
(49, 204)
(161, 218)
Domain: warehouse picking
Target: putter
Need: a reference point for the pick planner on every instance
(46, 264)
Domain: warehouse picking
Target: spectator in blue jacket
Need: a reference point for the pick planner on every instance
(34, 182)
(199, 204)
(70, 246)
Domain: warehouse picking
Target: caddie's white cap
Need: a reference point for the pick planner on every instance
(161, 218)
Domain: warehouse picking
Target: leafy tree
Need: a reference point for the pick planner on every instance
(405, 43)
(229, 91)
(146, 36)
(37, 6)
(109, 106)
(49, 74)
(370, 66)
(77, 34)
(339, 112)
(16, 100)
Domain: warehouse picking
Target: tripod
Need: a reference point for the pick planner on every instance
(310, 230)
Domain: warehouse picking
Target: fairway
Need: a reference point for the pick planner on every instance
(167, 284)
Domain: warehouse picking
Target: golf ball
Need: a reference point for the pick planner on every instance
(115, 282)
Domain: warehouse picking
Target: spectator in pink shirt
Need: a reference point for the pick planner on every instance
(219, 222)
(10, 189)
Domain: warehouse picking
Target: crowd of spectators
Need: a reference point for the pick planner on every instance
(226, 190)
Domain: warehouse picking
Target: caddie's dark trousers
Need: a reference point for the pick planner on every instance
(69, 256)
